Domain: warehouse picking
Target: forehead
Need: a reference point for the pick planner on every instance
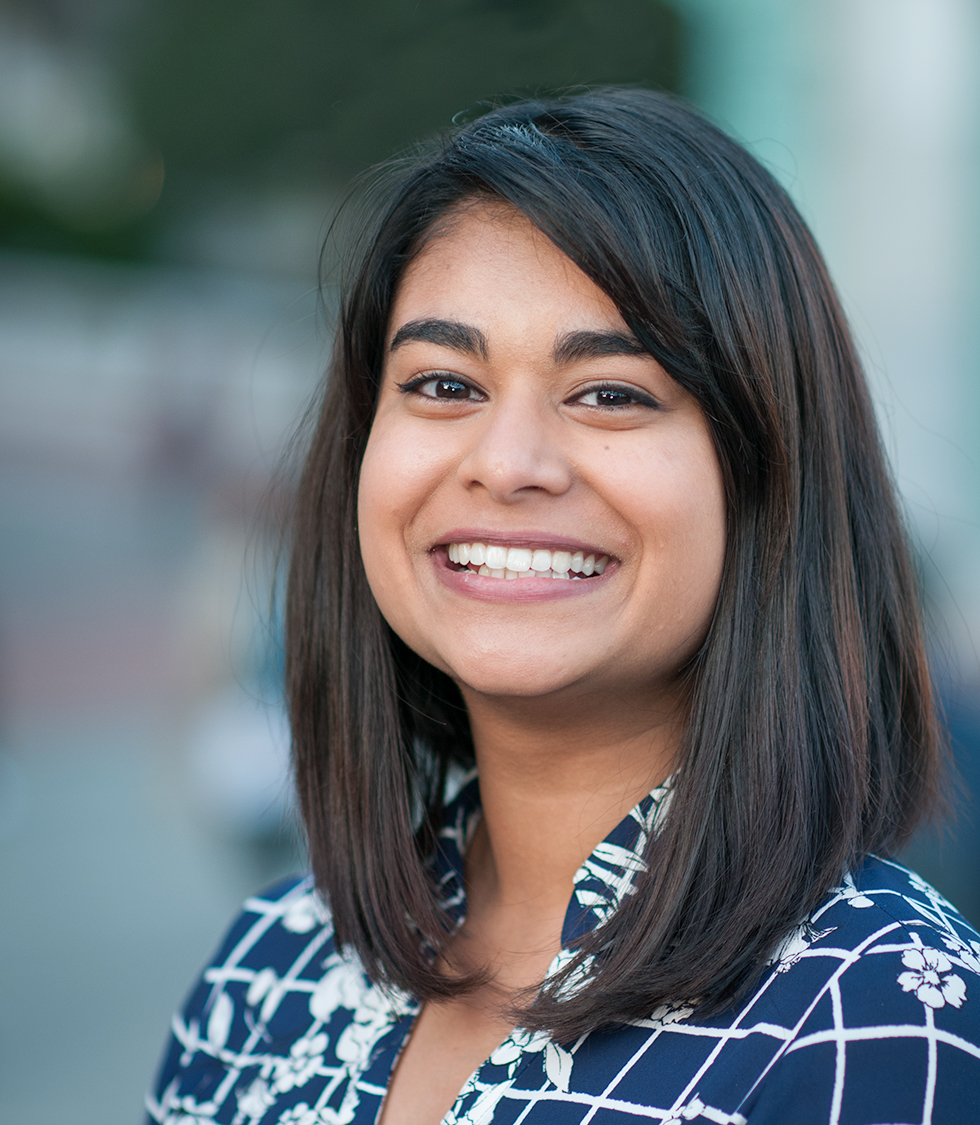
(487, 264)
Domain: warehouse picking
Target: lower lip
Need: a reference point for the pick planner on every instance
(473, 585)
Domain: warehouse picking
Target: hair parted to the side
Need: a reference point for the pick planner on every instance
(812, 738)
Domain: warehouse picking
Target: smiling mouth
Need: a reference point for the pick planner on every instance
(497, 561)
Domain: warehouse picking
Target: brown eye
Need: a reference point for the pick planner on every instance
(449, 388)
(616, 397)
(613, 398)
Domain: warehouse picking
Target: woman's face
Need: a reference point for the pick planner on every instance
(523, 440)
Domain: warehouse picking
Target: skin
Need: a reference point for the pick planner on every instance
(535, 424)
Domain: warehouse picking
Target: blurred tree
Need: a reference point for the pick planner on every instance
(267, 94)
(229, 85)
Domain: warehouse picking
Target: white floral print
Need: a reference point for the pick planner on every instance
(303, 914)
(512, 1048)
(931, 978)
(262, 984)
(967, 953)
(481, 1112)
(256, 1099)
(300, 1114)
(219, 1021)
(853, 896)
(558, 1065)
(371, 1019)
(186, 1111)
(671, 1013)
(303, 1114)
(796, 944)
(341, 986)
(303, 1061)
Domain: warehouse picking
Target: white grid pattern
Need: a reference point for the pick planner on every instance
(283, 1030)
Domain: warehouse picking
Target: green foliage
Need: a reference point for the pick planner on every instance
(334, 85)
(300, 92)
(26, 225)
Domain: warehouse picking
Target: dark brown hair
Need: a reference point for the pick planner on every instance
(812, 738)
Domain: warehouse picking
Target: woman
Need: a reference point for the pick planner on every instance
(595, 503)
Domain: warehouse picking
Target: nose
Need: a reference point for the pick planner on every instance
(516, 454)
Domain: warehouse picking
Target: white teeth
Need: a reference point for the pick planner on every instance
(541, 560)
(496, 558)
(494, 561)
(561, 561)
(518, 558)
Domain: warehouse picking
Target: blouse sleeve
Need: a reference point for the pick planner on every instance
(896, 1078)
(189, 1077)
(894, 1037)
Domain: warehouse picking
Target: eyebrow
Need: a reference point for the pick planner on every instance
(570, 348)
(448, 333)
(593, 345)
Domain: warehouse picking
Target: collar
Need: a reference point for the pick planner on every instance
(601, 883)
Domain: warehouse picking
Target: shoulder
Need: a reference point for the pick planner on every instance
(286, 924)
(260, 987)
(883, 916)
(272, 929)
(884, 898)
(877, 998)
(275, 920)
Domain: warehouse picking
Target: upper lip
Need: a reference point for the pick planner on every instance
(543, 540)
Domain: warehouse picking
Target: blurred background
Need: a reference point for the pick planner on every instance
(167, 172)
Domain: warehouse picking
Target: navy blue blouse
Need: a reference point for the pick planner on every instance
(869, 1013)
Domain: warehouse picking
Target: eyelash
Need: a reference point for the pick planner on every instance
(638, 397)
(413, 386)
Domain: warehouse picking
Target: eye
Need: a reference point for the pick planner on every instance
(445, 387)
(614, 397)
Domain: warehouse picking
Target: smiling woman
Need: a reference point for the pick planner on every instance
(595, 505)
(518, 414)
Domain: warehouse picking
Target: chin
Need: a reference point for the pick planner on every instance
(517, 678)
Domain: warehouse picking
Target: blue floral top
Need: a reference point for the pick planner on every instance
(868, 1013)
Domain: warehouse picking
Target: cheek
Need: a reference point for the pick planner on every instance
(382, 503)
(702, 521)
(398, 479)
(674, 496)
(395, 483)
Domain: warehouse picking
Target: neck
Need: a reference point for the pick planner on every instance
(554, 781)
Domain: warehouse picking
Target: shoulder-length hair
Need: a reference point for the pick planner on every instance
(812, 737)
